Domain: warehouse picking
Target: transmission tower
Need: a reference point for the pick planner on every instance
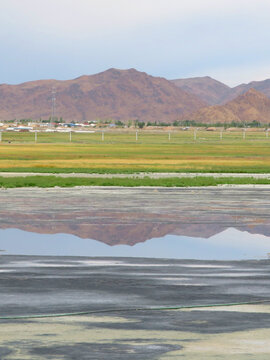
(53, 105)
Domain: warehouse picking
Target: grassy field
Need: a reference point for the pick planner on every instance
(120, 152)
(53, 181)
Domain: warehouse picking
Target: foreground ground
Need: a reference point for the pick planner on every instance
(47, 285)
(31, 285)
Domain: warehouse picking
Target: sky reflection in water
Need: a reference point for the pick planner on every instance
(230, 244)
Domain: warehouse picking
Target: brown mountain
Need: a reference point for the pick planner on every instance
(250, 106)
(214, 92)
(207, 89)
(114, 94)
(262, 86)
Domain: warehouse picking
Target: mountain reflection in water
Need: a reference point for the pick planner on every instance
(209, 223)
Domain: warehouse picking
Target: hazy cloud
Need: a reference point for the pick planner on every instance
(171, 38)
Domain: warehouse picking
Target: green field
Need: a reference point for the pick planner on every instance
(121, 153)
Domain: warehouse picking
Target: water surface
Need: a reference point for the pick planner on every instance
(209, 223)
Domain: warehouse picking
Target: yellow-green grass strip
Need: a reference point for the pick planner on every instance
(118, 157)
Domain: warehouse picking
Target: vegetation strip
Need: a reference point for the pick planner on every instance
(54, 181)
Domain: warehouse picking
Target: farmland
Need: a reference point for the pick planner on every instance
(120, 152)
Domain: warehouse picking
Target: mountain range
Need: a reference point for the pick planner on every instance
(133, 95)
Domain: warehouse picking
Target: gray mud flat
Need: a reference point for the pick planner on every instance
(44, 285)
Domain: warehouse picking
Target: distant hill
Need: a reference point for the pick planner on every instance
(252, 105)
(112, 94)
(214, 92)
(262, 86)
(207, 89)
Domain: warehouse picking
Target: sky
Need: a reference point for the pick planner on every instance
(228, 40)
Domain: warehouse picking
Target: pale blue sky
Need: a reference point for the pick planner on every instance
(62, 39)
